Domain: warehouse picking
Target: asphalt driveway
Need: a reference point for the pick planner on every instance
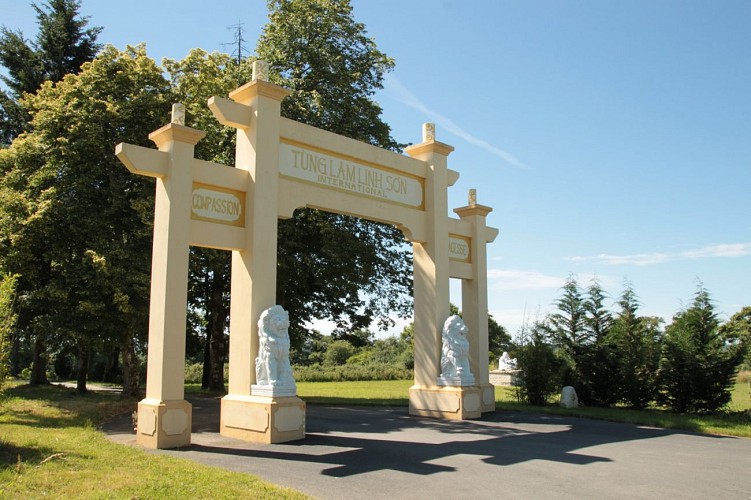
(362, 452)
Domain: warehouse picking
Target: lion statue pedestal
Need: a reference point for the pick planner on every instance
(455, 395)
(272, 413)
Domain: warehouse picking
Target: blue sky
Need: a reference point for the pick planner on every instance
(612, 139)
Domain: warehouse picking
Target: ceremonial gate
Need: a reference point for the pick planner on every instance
(282, 165)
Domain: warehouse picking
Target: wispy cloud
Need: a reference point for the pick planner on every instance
(403, 95)
(517, 279)
(727, 250)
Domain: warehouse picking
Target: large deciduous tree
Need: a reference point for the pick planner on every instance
(331, 266)
(62, 45)
(738, 329)
(194, 79)
(499, 339)
(78, 230)
(7, 320)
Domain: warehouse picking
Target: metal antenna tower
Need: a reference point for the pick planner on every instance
(239, 51)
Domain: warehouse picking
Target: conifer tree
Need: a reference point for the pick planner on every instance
(599, 361)
(62, 45)
(571, 335)
(636, 340)
(698, 364)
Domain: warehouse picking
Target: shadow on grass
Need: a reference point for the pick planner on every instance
(15, 457)
(57, 406)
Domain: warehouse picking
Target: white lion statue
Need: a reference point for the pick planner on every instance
(272, 364)
(455, 351)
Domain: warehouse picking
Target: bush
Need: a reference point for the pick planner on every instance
(351, 373)
(193, 373)
(338, 352)
(540, 375)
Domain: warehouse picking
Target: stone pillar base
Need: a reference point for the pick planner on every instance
(488, 397)
(164, 424)
(262, 419)
(452, 403)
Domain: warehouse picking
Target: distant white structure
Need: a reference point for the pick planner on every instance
(506, 363)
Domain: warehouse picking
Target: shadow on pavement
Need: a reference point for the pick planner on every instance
(357, 440)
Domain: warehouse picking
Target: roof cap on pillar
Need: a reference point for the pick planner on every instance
(473, 208)
(429, 144)
(176, 129)
(259, 86)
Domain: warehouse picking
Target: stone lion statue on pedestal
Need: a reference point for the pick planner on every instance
(272, 364)
(455, 353)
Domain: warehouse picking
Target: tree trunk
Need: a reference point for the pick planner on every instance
(115, 367)
(216, 319)
(82, 370)
(39, 365)
(206, 374)
(15, 355)
(218, 351)
(130, 369)
(111, 365)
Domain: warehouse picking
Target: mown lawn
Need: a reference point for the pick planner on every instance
(50, 447)
(734, 421)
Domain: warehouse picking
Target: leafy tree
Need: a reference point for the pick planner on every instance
(7, 319)
(636, 341)
(358, 338)
(194, 79)
(63, 44)
(338, 352)
(499, 339)
(738, 329)
(78, 232)
(334, 266)
(311, 351)
(698, 363)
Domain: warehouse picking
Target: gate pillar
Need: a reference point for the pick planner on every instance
(475, 297)
(164, 417)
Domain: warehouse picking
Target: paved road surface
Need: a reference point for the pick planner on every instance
(359, 452)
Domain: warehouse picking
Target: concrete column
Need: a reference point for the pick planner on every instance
(164, 417)
(475, 300)
(253, 286)
(256, 113)
(431, 260)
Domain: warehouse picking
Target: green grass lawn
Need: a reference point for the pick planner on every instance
(736, 421)
(50, 447)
